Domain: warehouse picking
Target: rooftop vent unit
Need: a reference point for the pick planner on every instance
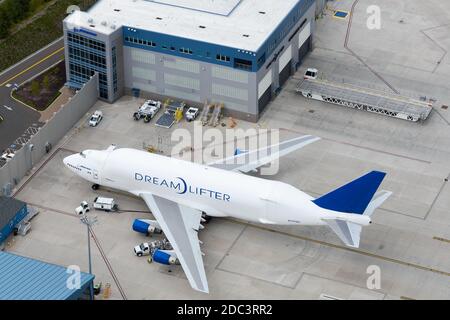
(104, 23)
(90, 20)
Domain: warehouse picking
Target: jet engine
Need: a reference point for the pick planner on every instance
(146, 227)
(167, 257)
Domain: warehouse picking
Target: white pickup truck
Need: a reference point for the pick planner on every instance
(311, 74)
(191, 114)
(146, 249)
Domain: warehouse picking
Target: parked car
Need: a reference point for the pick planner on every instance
(191, 114)
(7, 156)
(96, 118)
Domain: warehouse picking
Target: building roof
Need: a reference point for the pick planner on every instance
(24, 278)
(241, 24)
(8, 209)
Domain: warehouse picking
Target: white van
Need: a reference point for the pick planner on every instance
(105, 204)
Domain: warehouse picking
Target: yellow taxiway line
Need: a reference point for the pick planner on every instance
(33, 66)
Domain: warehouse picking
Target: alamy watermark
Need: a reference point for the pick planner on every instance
(73, 281)
(374, 19)
(374, 280)
(230, 146)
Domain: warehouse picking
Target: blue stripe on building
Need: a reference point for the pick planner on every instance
(209, 52)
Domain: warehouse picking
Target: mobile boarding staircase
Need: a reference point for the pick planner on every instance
(370, 100)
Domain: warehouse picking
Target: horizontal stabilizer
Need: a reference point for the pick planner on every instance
(355, 196)
(348, 232)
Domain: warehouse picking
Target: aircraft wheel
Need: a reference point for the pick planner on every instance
(95, 187)
(206, 217)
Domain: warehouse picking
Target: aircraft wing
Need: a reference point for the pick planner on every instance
(180, 225)
(249, 161)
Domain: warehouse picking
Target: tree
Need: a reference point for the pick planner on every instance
(16, 9)
(46, 82)
(35, 4)
(5, 23)
(35, 88)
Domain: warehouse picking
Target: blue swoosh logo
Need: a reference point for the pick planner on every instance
(185, 186)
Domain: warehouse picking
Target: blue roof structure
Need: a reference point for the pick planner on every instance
(24, 278)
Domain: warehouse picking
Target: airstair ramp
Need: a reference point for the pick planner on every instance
(366, 99)
(217, 113)
(205, 114)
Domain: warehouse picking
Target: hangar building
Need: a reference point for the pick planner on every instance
(23, 278)
(235, 52)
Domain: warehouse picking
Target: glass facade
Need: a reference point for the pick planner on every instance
(114, 65)
(87, 56)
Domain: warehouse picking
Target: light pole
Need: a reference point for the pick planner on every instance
(89, 221)
(31, 149)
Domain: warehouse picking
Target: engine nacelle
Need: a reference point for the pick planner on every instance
(165, 257)
(146, 227)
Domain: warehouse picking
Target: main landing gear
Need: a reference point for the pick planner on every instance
(206, 218)
(95, 187)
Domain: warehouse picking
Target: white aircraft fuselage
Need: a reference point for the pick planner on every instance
(217, 192)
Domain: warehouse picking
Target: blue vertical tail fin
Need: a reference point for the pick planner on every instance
(353, 197)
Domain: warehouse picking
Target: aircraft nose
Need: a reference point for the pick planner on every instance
(68, 160)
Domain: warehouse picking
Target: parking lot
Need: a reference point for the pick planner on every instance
(408, 241)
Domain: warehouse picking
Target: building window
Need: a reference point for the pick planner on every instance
(186, 50)
(221, 57)
(87, 56)
(140, 41)
(261, 60)
(242, 64)
(114, 65)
